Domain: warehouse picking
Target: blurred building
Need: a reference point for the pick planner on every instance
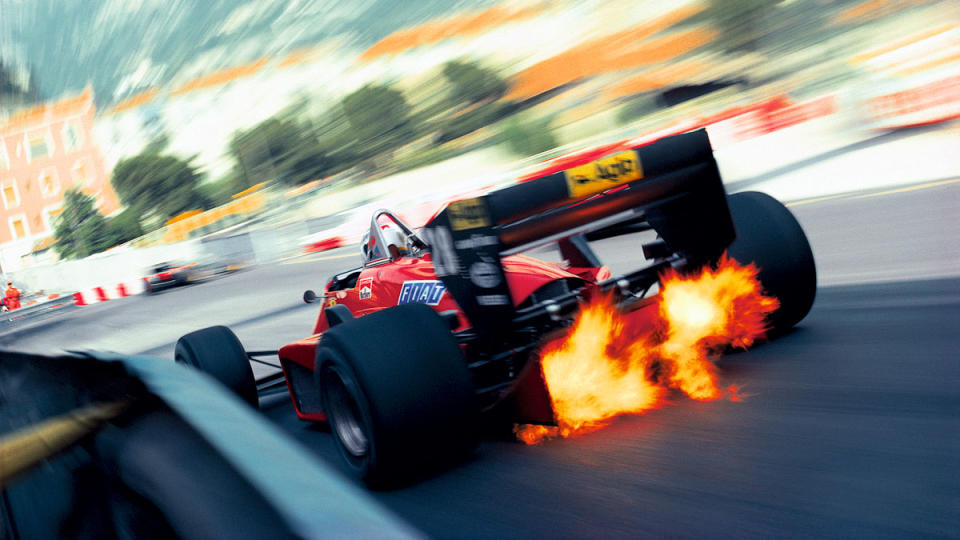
(45, 150)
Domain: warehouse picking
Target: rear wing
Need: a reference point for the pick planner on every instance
(671, 185)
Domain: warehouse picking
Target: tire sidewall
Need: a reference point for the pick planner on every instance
(217, 352)
(769, 236)
(411, 383)
(332, 364)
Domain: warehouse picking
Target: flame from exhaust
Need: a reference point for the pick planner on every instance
(604, 368)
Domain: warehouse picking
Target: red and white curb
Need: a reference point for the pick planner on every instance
(95, 295)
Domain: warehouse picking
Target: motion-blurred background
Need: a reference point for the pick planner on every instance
(143, 132)
(170, 141)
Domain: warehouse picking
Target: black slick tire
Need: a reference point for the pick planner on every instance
(217, 352)
(769, 236)
(397, 393)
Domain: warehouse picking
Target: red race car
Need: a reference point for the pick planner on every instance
(439, 329)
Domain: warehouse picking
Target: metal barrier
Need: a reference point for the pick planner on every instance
(35, 312)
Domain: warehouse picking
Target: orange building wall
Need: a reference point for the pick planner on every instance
(81, 165)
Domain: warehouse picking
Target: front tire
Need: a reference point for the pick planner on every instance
(769, 236)
(217, 352)
(397, 393)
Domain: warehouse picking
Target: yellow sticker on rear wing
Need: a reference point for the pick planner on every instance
(603, 174)
(468, 214)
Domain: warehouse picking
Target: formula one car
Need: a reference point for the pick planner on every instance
(437, 330)
(175, 274)
(169, 274)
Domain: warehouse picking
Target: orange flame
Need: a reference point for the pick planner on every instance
(604, 368)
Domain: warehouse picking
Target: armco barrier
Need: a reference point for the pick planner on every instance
(35, 312)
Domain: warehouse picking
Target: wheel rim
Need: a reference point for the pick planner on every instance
(344, 414)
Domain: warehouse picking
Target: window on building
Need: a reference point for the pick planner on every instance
(4, 158)
(11, 196)
(71, 136)
(80, 174)
(38, 146)
(18, 227)
(49, 185)
(50, 214)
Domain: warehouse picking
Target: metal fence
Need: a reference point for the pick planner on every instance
(17, 318)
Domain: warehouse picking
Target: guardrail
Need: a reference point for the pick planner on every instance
(36, 312)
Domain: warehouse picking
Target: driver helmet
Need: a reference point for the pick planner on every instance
(394, 238)
(395, 244)
(369, 251)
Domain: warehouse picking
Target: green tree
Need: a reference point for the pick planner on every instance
(742, 23)
(124, 226)
(474, 119)
(638, 107)
(529, 138)
(220, 191)
(158, 185)
(338, 139)
(279, 148)
(80, 229)
(380, 118)
(471, 83)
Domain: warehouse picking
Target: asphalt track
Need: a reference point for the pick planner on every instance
(850, 429)
(850, 426)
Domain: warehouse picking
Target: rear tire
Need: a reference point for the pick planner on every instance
(397, 393)
(217, 352)
(769, 236)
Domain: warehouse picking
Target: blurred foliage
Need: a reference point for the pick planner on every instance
(473, 119)
(471, 83)
(338, 140)
(220, 191)
(280, 148)
(159, 185)
(427, 156)
(741, 23)
(637, 108)
(15, 94)
(529, 137)
(124, 226)
(380, 118)
(158, 145)
(80, 229)
(8, 86)
(364, 131)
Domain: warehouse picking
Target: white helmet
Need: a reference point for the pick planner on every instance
(394, 244)
(369, 250)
